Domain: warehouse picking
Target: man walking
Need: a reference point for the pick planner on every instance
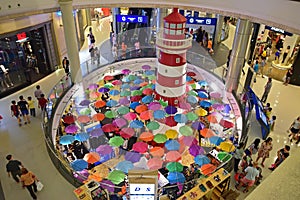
(13, 168)
(267, 90)
(252, 174)
(38, 92)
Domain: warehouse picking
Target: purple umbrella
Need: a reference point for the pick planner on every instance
(218, 106)
(103, 90)
(124, 101)
(71, 129)
(185, 106)
(107, 184)
(197, 125)
(93, 86)
(126, 71)
(132, 156)
(171, 110)
(120, 122)
(196, 150)
(96, 132)
(135, 88)
(154, 106)
(85, 102)
(227, 108)
(104, 149)
(215, 95)
(146, 67)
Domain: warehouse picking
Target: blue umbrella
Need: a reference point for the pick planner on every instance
(172, 145)
(124, 166)
(66, 139)
(201, 160)
(180, 118)
(82, 136)
(125, 80)
(205, 104)
(159, 114)
(103, 90)
(138, 81)
(227, 108)
(147, 99)
(135, 88)
(171, 110)
(192, 99)
(111, 103)
(134, 105)
(149, 72)
(175, 177)
(188, 78)
(202, 94)
(153, 86)
(114, 92)
(202, 83)
(79, 164)
(125, 86)
(215, 140)
(136, 124)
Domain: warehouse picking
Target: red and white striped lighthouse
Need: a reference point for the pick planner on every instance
(172, 43)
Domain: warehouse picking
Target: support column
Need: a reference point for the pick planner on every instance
(71, 39)
(218, 32)
(161, 13)
(88, 17)
(237, 58)
(116, 28)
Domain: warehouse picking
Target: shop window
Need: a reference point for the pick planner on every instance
(179, 26)
(176, 82)
(172, 32)
(173, 26)
(177, 60)
(166, 25)
(167, 31)
(178, 32)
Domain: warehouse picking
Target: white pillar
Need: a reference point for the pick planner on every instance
(161, 13)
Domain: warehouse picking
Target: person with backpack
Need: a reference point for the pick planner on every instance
(23, 107)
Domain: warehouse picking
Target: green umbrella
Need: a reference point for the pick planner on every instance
(160, 138)
(147, 86)
(152, 77)
(192, 116)
(193, 93)
(153, 125)
(125, 93)
(111, 114)
(108, 85)
(163, 103)
(123, 110)
(174, 167)
(193, 85)
(116, 177)
(136, 93)
(186, 130)
(131, 77)
(224, 156)
(85, 111)
(87, 92)
(116, 141)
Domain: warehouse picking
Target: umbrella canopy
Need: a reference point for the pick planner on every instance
(135, 87)
(94, 95)
(125, 86)
(84, 119)
(207, 169)
(201, 160)
(201, 112)
(149, 72)
(136, 92)
(154, 163)
(202, 95)
(159, 114)
(136, 124)
(184, 106)
(196, 150)
(227, 108)
(192, 116)
(96, 132)
(132, 77)
(186, 130)
(173, 156)
(191, 74)
(146, 115)
(187, 159)
(147, 91)
(85, 102)
(172, 145)
(157, 152)
(147, 99)
(154, 106)
(132, 156)
(91, 157)
(174, 167)
(126, 71)
(116, 82)
(153, 125)
(202, 83)
(138, 81)
(212, 119)
(124, 101)
(127, 132)
(71, 129)
(227, 146)
(123, 110)
(180, 118)
(134, 105)
(114, 92)
(82, 136)
(205, 104)
(116, 176)
(99, 104)
(102, 170)
(124, 166)
(103, 90)
(215, 140)
(69, 119)
(175, 177)
(198, 125)
(79, 164)
(170, 121)
(146, 67)
(141, 108)
(125, 93)
(130, 116)
(108, 85)
(207, 133)
(111, 114)
(192, 93)
(85, 111)
(116, 141)
(66, 139)
(135, 98)
(108, 185)
(140, 147)
(215, 95)
(171, 134)
(171, 110)
(93, 86)
(119, 122)
(218, 106)
(111, 103)
(104, 149)
(226, 123)
(108, 128)
(160, 138)
(108, 78)
(188, 140)
(146, 136)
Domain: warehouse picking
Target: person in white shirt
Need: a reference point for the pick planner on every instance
(252, 173)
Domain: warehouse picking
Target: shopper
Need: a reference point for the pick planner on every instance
(268, 87)
(282, 154)
(255, 68)
(238, 155)
(253, 148)
(294, 129)
(15, 111)
(66, 65)
(31, 106)
(13, 168)
(264, 150)
(272, 122)
(43, 102)
(38, 92)
(28, 180)
(252, 173)
(23, 106)
(288, 76)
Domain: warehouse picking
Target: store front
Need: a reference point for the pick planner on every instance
(27, 55)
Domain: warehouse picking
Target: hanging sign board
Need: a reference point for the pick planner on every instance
(278, 30)
(132, 18)
(201, 21)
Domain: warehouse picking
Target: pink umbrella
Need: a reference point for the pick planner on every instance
(215, 95)
(154, 106)
(188, 140)
(94, 95)
(140, 147)
(154, 163)
(130, 116)
(119, 122)
(71, 129)
(124, 101)
(173, 156)
(218, 106)
(147, 91)
(84, 119)
(127, 132)
(146, 67)
(126, 71)
(116, 82)
(184, 106)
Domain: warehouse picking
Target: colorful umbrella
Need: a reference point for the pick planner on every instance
(132, 156)
(132, 77)
(134, 105)
(227, 146)
(198, 125)
(153, 125)
(93, 86)
(108, 78)
(135, 98)
(192, 93)
(127, 132)
(191, 74)
(160, 138)
(116, 141)
(102, 170)
(171, 110)
(85, 102)
(171, 134)
(212, 119)
(108, 128)
(201, 112)
(154, 106)
(227, 108)
(136, 93)
(207, 133)
(94, 95)
(103, 90)
(140, 147)
(124, 101)
(84, 119)
(96, 132)
(99, 104)
(111, 103)
(202, 95)
(215, 95)
(114, 92)
(147, 99)
(111, 114)
(207, 169)
(124, 166)
(126, 71)
(125, 93)
(188, 140)
(205, 104)
(184, 106)
(146, 67)
(125, 86)
(141, 108)
(215, 140)
(186, 130)
(192, 99)
(116, 82)
(170, 121)
(173, 156)
(91, 157)
(146, 115)
(175, 177)
(202, 83)
(180, 118)
(159, 114)
(83, 136)
(187, 159)
(147, 91)
(79, 164)
(108, 185)
(136, 124)
(174, 167)
(66, 139)
(71, 129)
(116, 176)
(226, 123)
(85, 111)
(120, 122)
(201, 160)
(130, 116)
(218, 106)
(135, 87)
(155, 163)
(196, 150)
(157, 152)
(104, 150)
(192, 116)
(138, 81)
(172, 145)
(149, 72)
(108, 85)
(146, 136)
(125, 80)
(69, 119)
(144, 84)
(123, 110)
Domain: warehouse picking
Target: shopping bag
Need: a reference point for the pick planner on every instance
(39, 186)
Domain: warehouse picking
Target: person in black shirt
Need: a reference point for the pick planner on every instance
(282, 154)
(13, 168)
(23, 106)
(66, 65)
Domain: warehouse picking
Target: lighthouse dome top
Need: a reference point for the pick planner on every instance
(175, 18)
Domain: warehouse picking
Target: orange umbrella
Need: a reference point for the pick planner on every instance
(187, 159)
(99, 104)
(91, 157)
(146, 115)
(146, 136)
(143, 84)
(141, 108)
(108, 78)
(212, 119)
(157, 152)
(95, 177)
(207, 133)
(98, 117)
(94, 95)
(173, 156)
(208, 169)
(84, 119)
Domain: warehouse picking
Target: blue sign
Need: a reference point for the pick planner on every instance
(201, 20)
(278, 30)
(132, 18)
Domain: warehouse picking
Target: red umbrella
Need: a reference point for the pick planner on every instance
(98, 117)
(99, 104)
(107, 128)
(157, 152)
(147, 91)
(207, 133)
(135, 98)
(207, 169)
(169, 121)
(140, 147)
(116, 82)
(69, 119)
(146, 136)
(146, 115)
(141, 108)
(130, 116)
(84, 119)
(191, 73)
(226, 124)
(127, 132)
(173, 156)
(154, 163)
(108, 78)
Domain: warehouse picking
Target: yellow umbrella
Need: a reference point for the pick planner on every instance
(201, 112)
(171, 134)
(187, 159)
(227, 146)
(101, 82)
(101, 170)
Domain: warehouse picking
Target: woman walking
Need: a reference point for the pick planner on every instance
(28, 181)
(238, 155)
(264, 150)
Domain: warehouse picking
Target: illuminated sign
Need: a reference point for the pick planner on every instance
(21, 36)
(132, 18)
(142, 188)
(201, 20)
(278, 30)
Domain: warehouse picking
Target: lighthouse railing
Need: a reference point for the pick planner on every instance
(173, 44)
